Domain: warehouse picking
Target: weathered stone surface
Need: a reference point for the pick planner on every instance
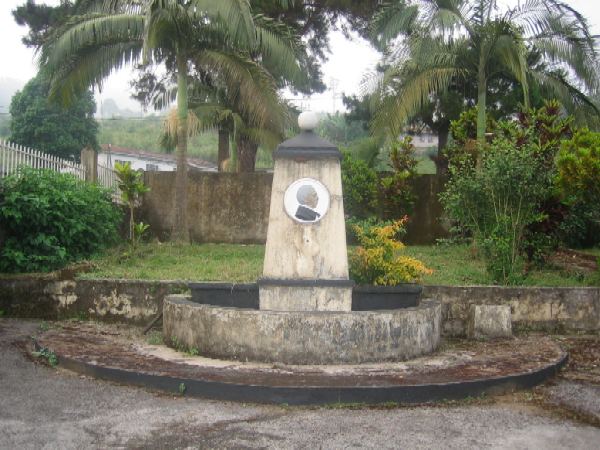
(222, 207)
(234, 207)
(532, 308)
(286, 298)
(46, 297)
(302, 337)
(542, 309)
(306, 251)
(489, 321)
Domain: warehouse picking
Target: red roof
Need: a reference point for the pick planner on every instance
(165, 157)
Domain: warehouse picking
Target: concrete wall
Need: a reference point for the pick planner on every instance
(135, 302)
(426, 224)
(222, 207)
(303, 337)
(547, 309)
(234, 208)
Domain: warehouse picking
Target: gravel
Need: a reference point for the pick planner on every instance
(42, 407)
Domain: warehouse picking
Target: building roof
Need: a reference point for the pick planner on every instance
(116, 150)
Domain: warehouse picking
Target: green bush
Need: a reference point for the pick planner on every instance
(578, 182)
(397, 188)
(50, 219)
(359, 183)
(497, 202)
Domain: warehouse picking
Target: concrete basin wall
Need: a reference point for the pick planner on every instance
(302, 337)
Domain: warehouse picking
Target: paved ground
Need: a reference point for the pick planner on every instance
(46, 408)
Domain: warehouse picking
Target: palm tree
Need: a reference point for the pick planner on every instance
(90, 46)
(240, 99)
(432, 44)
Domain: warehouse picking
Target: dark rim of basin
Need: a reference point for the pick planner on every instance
(224, 286)
(412, 288)
(364, 298)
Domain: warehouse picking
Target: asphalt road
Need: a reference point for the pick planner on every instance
(45, 408)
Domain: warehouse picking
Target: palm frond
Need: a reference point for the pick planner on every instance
(396, 104)
(249, 86)
(90, 67)
(92, 31)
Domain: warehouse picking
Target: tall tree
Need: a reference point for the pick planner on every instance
(445, 42)
(49, 127)
(90, 46)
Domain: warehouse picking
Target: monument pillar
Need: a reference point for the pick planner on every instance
(306, 261)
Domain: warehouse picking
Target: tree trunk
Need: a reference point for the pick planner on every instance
(481, 102)
(223, 154)
(440, 160)
(246, 154)
(180, 225)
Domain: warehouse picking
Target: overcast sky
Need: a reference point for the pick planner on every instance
(345, 68)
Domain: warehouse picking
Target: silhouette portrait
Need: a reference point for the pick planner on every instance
(308, 200)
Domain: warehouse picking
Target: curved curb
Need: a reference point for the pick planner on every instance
(313, 395)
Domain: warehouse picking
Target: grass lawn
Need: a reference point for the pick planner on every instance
(208, 262)
(452, 265)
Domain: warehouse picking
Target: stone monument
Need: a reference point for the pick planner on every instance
(306, 262)
(301, 310)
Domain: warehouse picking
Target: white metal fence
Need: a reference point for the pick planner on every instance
(107, 177)
(12, 156)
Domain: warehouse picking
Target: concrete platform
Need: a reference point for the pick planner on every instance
(303, 337)
(461, 369)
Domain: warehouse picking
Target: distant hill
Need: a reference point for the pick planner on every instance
(109, 109)
(8, 88)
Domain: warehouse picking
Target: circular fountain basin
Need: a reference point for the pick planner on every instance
(364, 298)
(302, 337)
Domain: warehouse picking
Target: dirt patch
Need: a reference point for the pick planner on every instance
(574, 261)
(458, 360)
(584, 358)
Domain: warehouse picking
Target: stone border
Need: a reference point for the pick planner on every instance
(302, 337)
(548, 309)
(408, 394)
(139, 301)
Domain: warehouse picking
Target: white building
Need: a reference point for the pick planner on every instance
(148, 161)
(422, 141)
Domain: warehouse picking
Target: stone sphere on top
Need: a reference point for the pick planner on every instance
(308, 121)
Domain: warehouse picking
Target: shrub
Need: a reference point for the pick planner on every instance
(497, 202)
(578, 184)
(397, 188)
(377, 261)
(132, 188)
(50, 219)
(359, 183)
(353, 223)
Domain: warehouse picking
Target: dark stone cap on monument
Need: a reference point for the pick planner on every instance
(307, 145)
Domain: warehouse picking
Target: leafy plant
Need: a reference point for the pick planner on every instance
(366, 224)
(50, 219)
(359, 182)
(578, 184)
(497, 201)
(139, 230)
(397, 188)
(132, 188)
(48, 355)
(377, 261)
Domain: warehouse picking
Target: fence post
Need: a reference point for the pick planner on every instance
(89, 160)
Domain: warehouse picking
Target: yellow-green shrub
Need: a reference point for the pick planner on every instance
(377, 260)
